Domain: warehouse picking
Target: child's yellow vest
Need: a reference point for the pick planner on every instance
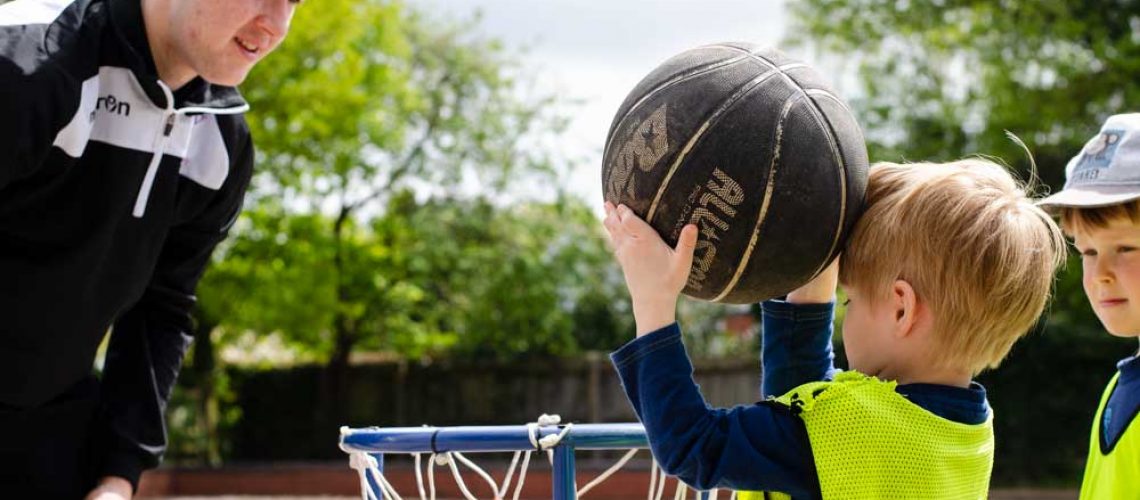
(1116, 474)
(870, 442)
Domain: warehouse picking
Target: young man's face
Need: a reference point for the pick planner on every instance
(1110, 258)
(221, 40)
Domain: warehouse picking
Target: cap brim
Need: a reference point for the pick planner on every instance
(1087, 198)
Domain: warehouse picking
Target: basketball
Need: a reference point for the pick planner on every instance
(752, 147)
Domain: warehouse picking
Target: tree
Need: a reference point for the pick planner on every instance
(447, 276)
(532, 279)
(357, 111)
(941, 79)
(345, 116)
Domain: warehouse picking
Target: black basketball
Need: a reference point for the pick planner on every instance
(752, 147)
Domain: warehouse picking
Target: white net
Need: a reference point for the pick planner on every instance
(374, 485)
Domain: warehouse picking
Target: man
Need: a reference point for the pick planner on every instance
(124, 158)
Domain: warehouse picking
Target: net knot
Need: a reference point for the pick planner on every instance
(442, 459)
(549, 441)
(362, 461)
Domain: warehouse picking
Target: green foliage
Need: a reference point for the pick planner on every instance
(388, 144)
(425, 279)
(346, 113)
(200, 416)
(941, 79)
(346, 117)
(273, 274)
(329, 90)
(510, 282)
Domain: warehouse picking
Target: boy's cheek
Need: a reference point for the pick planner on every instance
(1088, 283)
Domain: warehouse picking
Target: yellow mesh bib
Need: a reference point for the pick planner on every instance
(1116, 474)
(870, 442)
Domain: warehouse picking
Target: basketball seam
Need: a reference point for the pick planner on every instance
(769, 187)
(744, 261)
(674, 80)
(817, 115)
(832, 140)
(736, 96)
(831, 96)
(783, 72)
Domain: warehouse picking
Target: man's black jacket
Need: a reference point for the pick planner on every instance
(113, 193)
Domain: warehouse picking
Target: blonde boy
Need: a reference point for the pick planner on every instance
(1100, 209)
(948, 266)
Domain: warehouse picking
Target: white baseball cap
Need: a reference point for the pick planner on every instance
(1106, 171)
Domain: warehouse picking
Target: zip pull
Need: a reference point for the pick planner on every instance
(159, 151)
(169, 126)
(160, 141)
(152, 169)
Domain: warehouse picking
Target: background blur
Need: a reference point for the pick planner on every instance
(422, 241)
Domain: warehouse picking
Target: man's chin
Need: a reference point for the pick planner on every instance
(226, 78)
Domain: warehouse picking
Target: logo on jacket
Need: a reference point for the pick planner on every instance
(113, 105)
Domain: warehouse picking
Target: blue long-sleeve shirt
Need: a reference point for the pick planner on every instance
(1123, 404)
(796, 347)
(761, 446)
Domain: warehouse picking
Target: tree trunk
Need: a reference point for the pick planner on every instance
(204, 364)
(332, 410)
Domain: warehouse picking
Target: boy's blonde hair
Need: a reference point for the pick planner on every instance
(976, 250)
(1082, 219)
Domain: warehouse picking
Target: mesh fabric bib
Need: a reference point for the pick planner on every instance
(870, 442)
(1115, 474)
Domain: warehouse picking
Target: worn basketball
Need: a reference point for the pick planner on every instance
(755, 149)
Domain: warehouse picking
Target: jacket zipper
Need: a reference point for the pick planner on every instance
(170, 115)
(152, 169)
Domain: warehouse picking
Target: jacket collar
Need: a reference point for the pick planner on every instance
(127, 22)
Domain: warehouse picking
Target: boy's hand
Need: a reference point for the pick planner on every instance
(654, 273)
(111, 488)
(820, 290)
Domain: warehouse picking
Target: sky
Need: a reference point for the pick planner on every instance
(595, 51)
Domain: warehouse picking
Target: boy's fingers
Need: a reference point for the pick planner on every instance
(609, 221)
(623, 212)
(617, 234)
(612, 226)
(631, 222)
(686, 245)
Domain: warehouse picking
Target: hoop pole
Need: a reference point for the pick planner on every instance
(565, 487)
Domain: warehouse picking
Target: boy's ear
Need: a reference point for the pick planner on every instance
(905, 307)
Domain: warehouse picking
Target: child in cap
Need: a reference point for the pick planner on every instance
(947, 267)
(1099, 208)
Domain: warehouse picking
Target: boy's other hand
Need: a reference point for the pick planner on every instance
(111, 488)
(819, 290)
(654, 273)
